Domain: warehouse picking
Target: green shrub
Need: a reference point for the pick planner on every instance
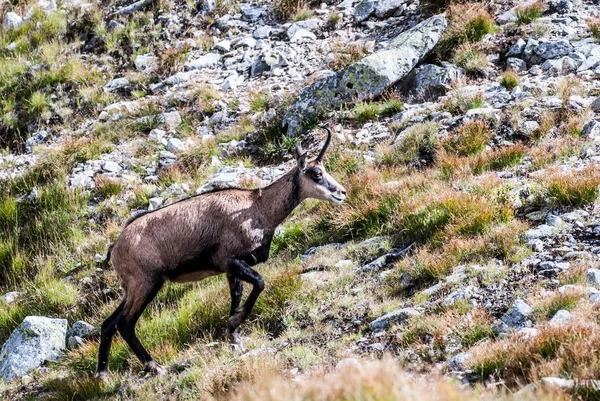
(509, 80)
(530, 13)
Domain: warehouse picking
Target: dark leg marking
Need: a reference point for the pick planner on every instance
(242, 271)
(137, 300)
(107, 332)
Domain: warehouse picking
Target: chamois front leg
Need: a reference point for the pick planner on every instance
(240, 270)
(235, 290)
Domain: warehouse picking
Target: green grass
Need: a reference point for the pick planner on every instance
(303, 14)
(26, 97)
(509, 79)
(467, 23)
(458, 103)
(573, 189)
(367, 111)
(468, 139)
(528, 14)
(107, 187)
(499, 159)
(470, 58)
(259, 101)
(417, 148)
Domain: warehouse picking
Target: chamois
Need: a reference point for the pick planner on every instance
(223, 231)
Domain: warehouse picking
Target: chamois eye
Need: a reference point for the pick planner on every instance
(317, 174)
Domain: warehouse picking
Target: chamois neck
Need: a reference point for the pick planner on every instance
(280, 198)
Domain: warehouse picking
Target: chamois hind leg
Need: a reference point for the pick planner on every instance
(109, 328)
(235, 289)
(242, 271)
(138, 297)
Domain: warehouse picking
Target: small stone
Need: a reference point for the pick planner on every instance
(262, 32)
(516, 64)
(115, 84)
(518, 315)
(560, 317)
(112, 167)
(209, 60)
(157, 135)
(223, 46)
(170, 120)
(302, 34)
(12, 20)
(593, 277)
(74, 342)
(145, 62)
(155, 203)
(459, 362)
(10, 297)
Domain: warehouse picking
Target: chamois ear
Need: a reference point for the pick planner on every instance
(300, 155)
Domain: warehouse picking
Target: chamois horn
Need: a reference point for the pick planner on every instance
(326, 145)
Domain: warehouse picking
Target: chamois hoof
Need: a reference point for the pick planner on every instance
(236, 342)
(101, 376)
(155, 369)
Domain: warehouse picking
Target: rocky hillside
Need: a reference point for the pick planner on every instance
(463, 264)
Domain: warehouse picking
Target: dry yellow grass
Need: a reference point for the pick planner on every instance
(368, 380)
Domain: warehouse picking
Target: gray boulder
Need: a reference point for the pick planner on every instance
(394, 317)
(430, 81)
(365, 78)
(36, 340)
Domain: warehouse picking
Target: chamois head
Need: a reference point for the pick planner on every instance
(314, 180)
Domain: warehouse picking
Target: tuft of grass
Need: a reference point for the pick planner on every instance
(417, 148)
(498, 159)
(468, 139)
(467, 22)
(509, 80)
(302, 14)
(470, 58)
(334, 19)
(458, 103)
(107, 187)
(345, 54)
(259, 101)
(546, 306)
(365, 111)
(286, 9)
(530, 13)
(574, 188)
(594, 26)
(568, 350)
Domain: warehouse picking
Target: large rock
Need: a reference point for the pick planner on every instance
(394, 317)
(365, 78)
(36, 340)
